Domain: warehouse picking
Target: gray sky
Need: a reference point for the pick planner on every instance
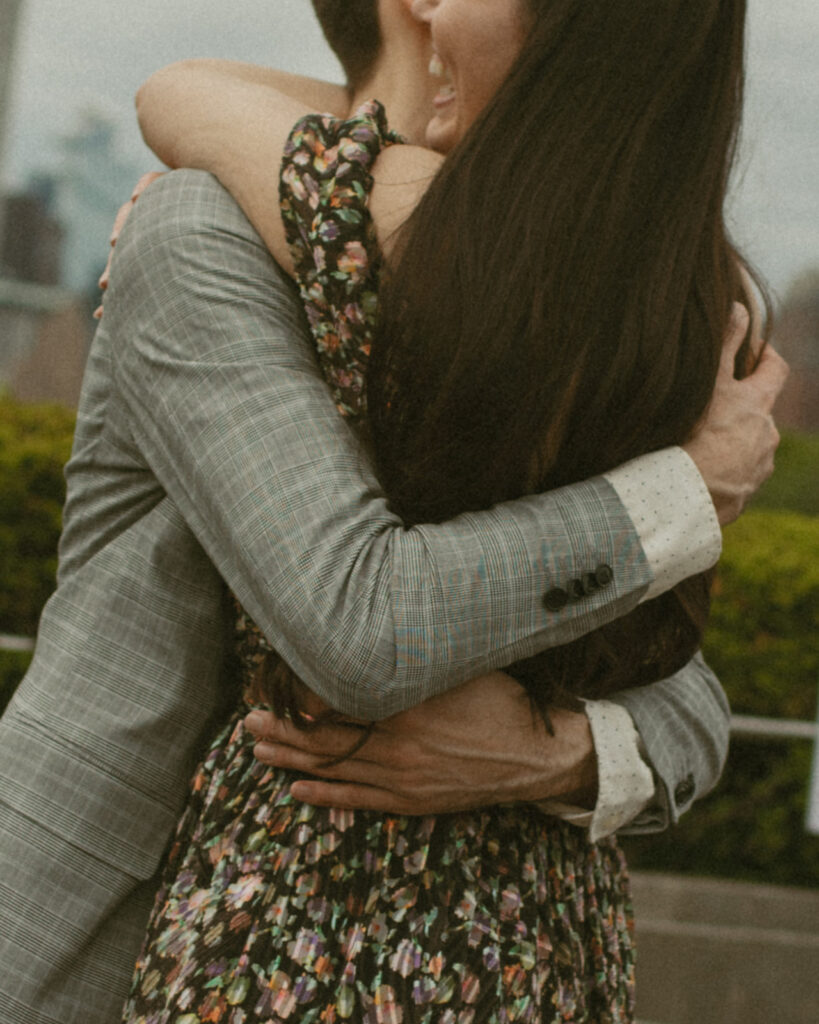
(79, 53)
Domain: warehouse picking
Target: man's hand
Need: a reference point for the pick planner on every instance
(734, 445)
(477, 745)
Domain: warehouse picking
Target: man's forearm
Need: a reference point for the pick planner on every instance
(234, 420)
(481, 744)
(476, 745)
(372, 616)
(624, 782)
(572, 761)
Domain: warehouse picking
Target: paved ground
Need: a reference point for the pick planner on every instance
(714, 952)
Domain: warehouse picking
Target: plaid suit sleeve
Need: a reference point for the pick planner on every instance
(223, 399)
(684, 726)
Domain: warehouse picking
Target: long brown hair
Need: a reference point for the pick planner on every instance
(560, 295)
(563, 289)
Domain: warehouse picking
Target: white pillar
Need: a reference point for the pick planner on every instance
(9, 11)
(812, 814)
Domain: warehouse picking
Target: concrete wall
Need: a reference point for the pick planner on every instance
(53, 368)
(714, 952)
(44, 337)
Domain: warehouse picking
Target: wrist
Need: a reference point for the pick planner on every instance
(727, 504)
(667, 499)
(570, 761)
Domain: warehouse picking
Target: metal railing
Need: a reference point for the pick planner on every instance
(15, 643)
(748, 726)
(774, 728)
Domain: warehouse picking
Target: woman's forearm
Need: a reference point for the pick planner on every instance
(228, 119)
(181, 107)
(234, 121)
(323, 96)
(190, 112)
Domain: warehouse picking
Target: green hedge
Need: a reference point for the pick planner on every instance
(763, 641)
(795, 484)
(35, 441)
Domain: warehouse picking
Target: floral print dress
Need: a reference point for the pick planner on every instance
(272, 910)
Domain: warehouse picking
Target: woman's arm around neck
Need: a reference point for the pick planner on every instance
(234, 121)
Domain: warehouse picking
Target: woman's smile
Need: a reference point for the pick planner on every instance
(475, 43)
(446, 94)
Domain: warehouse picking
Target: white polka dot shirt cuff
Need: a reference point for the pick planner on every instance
(625, 783)
(669, 504)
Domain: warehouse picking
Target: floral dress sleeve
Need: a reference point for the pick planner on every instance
(324, 191)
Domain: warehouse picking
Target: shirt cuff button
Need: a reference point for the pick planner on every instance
(684, 790)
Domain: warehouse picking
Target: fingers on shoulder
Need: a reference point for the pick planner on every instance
(178, 205)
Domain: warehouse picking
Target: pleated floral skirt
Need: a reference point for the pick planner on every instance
(271, 910)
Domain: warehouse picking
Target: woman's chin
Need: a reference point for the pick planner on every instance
(441, 134)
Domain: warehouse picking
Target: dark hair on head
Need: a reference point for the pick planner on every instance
(352, 29)
(563, 289)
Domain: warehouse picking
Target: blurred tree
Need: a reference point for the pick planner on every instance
(795, 484)
(796, 336)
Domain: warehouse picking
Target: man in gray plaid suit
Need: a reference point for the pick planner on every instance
(208, 452)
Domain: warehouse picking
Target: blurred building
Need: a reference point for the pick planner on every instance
(44, 336)
(797, 338)
(87, 190)
(53, 246)
(45, 329)
(30, 239)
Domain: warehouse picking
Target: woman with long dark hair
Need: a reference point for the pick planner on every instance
(551, 302)
(585, 209)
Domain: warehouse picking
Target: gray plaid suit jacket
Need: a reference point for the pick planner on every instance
(207, 450)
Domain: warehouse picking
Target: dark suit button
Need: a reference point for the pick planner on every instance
(555, 599)
(589, 583)
(684, 790)
(576, 590)
(603, 575)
